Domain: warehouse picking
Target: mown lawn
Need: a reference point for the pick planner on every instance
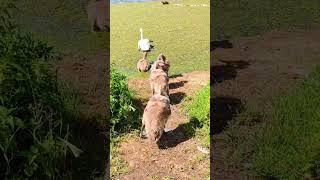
(63, 24)
(251, 17)
(180, 32)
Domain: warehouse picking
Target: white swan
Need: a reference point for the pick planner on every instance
(143, 44)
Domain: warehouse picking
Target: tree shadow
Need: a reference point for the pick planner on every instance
(176, 85)
(176, 98)
(226, 44)
(223, 110)
(227, 71)
(181, 134)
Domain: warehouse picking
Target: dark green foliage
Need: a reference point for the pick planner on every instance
(124, 114)
(33, 128)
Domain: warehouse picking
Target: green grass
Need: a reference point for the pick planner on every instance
(118, 165)
(288, 147)
(62, 23)
(180, 33)
(199, 113)
(251, 17)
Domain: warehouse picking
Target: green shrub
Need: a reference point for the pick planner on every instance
(199, 112)
(124, 114)
(33, 125)
(288, 146)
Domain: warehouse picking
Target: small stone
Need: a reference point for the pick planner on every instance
(131, 164)
(203, 150)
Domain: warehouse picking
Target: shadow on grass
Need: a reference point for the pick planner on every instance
(175, 76)
(181, 134)
(228, 71)
(176, 85)
(223, 110)
(226, 44)
(176, 98)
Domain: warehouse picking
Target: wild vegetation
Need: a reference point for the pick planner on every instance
(39, 115)
(34, 120)
(125, 117)
(124, 112)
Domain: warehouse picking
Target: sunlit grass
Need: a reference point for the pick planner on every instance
(180, 33)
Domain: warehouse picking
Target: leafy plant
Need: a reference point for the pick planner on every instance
(124, 114)
(34, 128)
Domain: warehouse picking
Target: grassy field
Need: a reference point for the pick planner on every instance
(63, 24)
(288, 147)
(252, 17)
(180, 33)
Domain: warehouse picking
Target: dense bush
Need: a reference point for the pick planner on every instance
(199, 112)
(33, 124)
(124, 114)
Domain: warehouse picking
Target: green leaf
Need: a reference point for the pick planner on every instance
(76, 151)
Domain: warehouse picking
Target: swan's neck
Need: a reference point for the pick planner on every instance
(141, 36)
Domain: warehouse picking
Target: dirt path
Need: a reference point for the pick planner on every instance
(248, 72)
(179, 157)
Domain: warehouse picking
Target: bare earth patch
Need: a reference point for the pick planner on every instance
(179, 157)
